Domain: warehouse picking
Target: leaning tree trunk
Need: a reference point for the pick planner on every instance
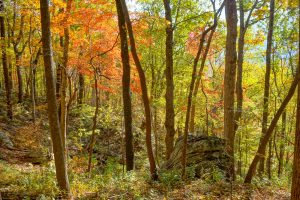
(59, 156)
(126, 89)
(169, 96)
(199, 78)
(267, 81)
(7, 79)
(229, 80)
(145, 97)
(267, 136)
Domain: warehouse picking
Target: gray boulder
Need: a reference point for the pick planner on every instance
(204, 154)
(5, 141)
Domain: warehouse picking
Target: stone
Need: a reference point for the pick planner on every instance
(5, 141)
(204, 154)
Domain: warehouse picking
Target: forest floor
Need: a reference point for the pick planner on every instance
(25, 181)
(27, 172)
(21, 179)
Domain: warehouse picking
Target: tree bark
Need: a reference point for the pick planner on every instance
(64, 85)
(93, 137)
(126, 89)
(281, 146)
(7, 79)
(267, 81)
(229, 80)
(145, 97)
(20, 78)
(33, 66)
(18, 54)
(295, 192)
(80, 88)
(59, 156)
(169, 96)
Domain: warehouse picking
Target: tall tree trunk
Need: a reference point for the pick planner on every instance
(80, 88)
(281, 146)
(145, 97)
(64, 85)
(229, 80)
(239, 78)
(59, 156)
(7, 79)
(270, 157)
(295, 192)
(20, 78)
(33, 66)
(264, 141)
(59, 69)
(126, 89)
(169, 96)
(267, 81)
(93, 137)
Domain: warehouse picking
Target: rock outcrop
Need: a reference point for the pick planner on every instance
(204, 154)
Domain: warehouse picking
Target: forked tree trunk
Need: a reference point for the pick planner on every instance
(229, 80)
(59, 156)
(153, 170)
(198, 80)
(189, 104)
(126, 89)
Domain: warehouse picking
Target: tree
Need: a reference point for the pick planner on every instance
(267, 79)
(18, 53)
(145, 97)
(229, 80)
(126, 89)
(95, 118)
(7, 77)
(295, 193)
(59, 156)
(169, 120)
(244, 25)
(63, 86)
(191, 90)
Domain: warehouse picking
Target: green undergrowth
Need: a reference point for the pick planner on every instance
(113, 182)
